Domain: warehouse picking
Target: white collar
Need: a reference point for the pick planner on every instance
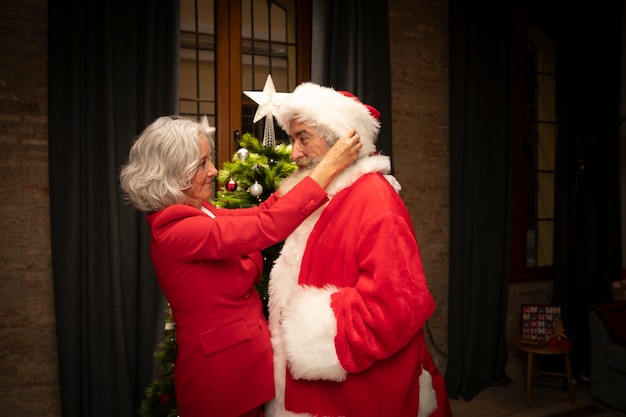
(208, 212)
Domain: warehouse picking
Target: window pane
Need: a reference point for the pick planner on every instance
(279, 23)
(540, 148)
(547, 147)
(546, 107)
(545, 201)
(267, 30)
(544, 244)
(197, 60)
(546, 62)
(259, 20)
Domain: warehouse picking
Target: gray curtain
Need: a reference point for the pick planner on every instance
(112, 70)
(350, 51)
(480, 195)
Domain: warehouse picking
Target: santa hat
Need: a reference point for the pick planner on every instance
(333, 111)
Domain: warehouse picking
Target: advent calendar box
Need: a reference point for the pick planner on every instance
(538, 322)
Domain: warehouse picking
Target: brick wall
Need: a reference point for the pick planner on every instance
(28, 374)
(419, 83)
(419, 88)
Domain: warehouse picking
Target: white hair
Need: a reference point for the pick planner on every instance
(162, 162)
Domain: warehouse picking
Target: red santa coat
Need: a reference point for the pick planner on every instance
(348, 301)
(207, 263)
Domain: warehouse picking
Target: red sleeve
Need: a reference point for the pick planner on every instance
(187, 234)
(249, 211)
(390, 301)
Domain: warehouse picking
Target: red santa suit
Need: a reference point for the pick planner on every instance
(348, 300)
(207, 263)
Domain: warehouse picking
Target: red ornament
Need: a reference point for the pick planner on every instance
(165, 398)
(231, 185)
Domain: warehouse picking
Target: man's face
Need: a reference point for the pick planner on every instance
(307, 147)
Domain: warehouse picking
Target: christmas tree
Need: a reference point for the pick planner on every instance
(253, 174)
(160, 399)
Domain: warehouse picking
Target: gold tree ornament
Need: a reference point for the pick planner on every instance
(559, 339)
(559, 330)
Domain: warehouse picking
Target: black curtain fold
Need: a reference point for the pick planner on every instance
(587, 248)
(480, 195)
(350, 51)
(113, 68)
(587, 255)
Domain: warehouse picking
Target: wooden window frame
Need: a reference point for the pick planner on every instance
(519, 271)
(228, 73)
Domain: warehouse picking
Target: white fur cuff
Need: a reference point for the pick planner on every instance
(428, 396)
(309, 328)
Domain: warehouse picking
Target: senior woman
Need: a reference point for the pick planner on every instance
(207, 261)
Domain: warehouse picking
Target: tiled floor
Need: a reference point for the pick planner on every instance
(548, 399)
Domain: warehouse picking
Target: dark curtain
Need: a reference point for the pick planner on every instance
(350, 51)
(113, 68)
(480, 195)
(587, 254)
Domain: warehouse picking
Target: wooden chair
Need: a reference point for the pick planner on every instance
(543, 335)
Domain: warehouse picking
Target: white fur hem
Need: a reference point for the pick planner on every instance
(309, 328)
(428, 397)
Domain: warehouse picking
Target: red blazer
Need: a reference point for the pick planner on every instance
(207, 268)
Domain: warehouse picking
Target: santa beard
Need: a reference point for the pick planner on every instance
(291, 181)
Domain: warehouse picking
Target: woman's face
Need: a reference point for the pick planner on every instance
(202, 183)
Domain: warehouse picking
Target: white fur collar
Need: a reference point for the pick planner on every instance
(362, 166)
(347, 177)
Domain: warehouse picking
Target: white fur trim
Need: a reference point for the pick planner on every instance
(394, 182)
(309, 328)
(270, 412)
(327, 107)
(283, 281)
(347, 177)
(428, 396)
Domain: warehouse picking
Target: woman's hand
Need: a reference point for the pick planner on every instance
(342, 154)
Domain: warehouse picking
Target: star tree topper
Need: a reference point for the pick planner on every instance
(268, 100)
